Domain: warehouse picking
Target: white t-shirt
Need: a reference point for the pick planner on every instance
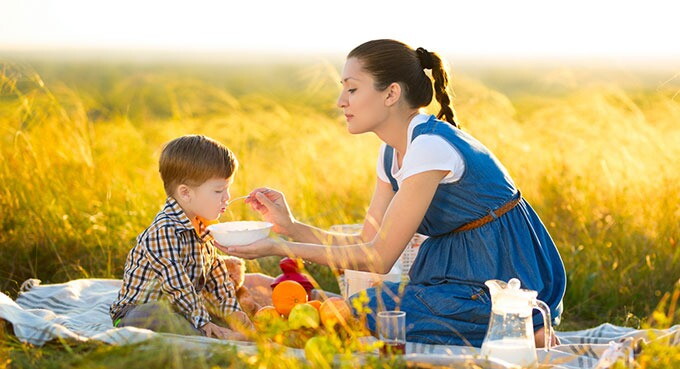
(426, 152)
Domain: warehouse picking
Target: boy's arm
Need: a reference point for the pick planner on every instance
(220, 290)
(163, 249)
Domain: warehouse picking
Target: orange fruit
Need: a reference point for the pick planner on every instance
(288, 294)
(315, 303)
(333, 311)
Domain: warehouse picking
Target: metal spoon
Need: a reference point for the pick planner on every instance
(242, 197)
(236, 199)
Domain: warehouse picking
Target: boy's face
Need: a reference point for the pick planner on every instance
(209, 200)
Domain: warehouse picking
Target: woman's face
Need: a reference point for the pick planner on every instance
(363, 105)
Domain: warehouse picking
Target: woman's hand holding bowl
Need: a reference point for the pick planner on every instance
(257, 249)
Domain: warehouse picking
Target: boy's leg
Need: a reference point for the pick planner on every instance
(158, 316)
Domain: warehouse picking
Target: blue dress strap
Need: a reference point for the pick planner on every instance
(387, 163)
(427, 127)
(432, 126)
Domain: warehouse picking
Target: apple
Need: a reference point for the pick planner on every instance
(266, 317)
(303, 316)
(333, 311)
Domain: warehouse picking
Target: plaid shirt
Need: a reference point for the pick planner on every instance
(171, 261)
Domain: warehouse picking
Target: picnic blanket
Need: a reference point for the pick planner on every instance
(79, 310)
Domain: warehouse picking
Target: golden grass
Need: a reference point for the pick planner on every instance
(78, 172)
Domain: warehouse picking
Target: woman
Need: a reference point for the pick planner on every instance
(433, 179)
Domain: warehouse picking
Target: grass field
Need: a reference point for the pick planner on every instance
(595, 151)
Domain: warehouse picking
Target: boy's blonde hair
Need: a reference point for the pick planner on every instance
(194, 159)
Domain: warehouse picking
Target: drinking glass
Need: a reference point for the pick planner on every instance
(392, 331)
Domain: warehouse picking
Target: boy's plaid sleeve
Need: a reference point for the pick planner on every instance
(220, 290)
(163, 248)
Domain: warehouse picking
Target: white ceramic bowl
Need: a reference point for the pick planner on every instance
(239, 233)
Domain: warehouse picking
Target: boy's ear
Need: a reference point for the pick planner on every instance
(393, 94)
(184, 192)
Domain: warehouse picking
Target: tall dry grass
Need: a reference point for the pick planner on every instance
(80, 143)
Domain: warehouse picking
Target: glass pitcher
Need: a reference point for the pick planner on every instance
(510, 336)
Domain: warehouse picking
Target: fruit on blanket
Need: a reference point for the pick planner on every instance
(286, 295)
(297, 338)
(303, 316)
(266, 316)
(315, 303)
(320, 351)
(333, 311)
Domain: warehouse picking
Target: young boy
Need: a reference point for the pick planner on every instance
(173, 275)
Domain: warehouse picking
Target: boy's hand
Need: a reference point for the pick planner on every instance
(257, 249)
(215, 331)
(273, 207)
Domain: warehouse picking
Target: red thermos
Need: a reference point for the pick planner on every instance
(291, 272)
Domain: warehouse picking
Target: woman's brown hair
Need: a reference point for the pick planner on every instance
(390, 61)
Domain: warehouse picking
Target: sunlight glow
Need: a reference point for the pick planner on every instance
(489, 28)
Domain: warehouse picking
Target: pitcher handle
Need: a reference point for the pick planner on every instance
(547, 322)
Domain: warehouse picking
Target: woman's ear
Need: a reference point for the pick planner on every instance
(393, 94)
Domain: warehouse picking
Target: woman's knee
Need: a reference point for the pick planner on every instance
(259, 286)
(258, 281)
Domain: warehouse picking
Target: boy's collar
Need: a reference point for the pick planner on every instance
(182, 221)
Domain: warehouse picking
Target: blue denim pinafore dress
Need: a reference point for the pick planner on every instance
(446, 301)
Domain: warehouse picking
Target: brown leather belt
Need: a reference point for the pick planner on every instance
(493, 215)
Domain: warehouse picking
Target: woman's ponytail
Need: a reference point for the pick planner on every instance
(430, 60)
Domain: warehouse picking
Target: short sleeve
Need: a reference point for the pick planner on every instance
(431, 152)
(380, 165)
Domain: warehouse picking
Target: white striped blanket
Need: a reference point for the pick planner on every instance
(79, 310)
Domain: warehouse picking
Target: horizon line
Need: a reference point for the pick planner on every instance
(141, 54)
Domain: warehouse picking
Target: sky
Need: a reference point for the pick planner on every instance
(514, 28)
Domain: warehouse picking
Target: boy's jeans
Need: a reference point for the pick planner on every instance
(157, 316)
